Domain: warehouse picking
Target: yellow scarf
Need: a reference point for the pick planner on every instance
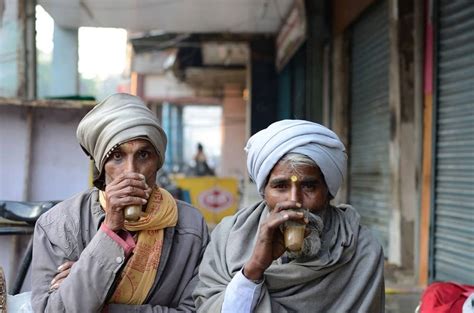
(139, 273)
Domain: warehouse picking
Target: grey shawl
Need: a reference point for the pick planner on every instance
(347, 275)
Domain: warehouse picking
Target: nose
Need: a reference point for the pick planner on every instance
(130, 165)
(295, 192)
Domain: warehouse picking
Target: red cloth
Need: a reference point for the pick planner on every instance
(445, 297)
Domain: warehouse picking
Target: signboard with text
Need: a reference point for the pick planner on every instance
(215, 197)
(291, 35)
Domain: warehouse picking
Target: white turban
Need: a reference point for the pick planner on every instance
(117, 119)
(268, 146)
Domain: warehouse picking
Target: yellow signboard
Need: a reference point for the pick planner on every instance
(215, 197)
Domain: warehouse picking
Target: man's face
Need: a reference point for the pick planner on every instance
(309, 188)
(138, 156)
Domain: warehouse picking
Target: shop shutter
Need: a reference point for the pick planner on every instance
(452, 244)
(284, 93)
(369, 181)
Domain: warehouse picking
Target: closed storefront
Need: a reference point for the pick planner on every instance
(369, 135)
(452, 236)
(291, 87)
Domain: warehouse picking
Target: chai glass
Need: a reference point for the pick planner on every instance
(293, 233)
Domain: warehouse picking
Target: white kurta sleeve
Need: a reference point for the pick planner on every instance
(241, 295)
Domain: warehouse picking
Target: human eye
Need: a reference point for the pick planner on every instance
(116, 155)
(143, 154)
(310, 186)
(280, 186)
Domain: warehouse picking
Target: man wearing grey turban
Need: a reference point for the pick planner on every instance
(293, 251)
(125, 245)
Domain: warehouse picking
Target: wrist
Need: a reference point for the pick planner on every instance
(253, 272)
(111, 226)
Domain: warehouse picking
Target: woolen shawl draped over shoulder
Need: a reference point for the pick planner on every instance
(346, 276)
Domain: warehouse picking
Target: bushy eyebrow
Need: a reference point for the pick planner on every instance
(142, 145)
(277, 181)
(306, 180)
(146, 148)
(310, 180)
(145, 144)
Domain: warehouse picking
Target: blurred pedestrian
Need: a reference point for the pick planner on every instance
(201, 168)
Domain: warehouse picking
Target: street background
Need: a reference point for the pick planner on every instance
(393, 78)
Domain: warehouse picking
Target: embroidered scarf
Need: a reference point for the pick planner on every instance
(137, 278)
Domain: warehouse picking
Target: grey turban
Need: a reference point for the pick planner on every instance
(118, 119)
(268, 146)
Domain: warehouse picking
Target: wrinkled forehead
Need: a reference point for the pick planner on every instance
(285, 169)
(133, 144)
(137, 142)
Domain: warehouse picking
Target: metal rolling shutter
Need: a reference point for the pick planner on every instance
(369, 185)
(452, 256)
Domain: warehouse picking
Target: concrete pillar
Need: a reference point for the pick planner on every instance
(29, 44)
(166, 124)
(64, 69)
(410, 130)
(172, 123)
(394, 251)
(178, 144)
(10, 42)
(17, 49)
(418, 25)
(233, 132)
(339, 119)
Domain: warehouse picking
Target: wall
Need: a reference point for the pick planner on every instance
(234, 135)
(59, 167)
(165, 86)
(13, 147)
(405, 115)
(64, 68)
(340, 101)
(10, 48)
(344, 12)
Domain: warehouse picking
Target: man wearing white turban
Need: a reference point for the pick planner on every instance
(251, 265)
(89, 255)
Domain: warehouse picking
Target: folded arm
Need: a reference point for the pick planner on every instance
(86, 287)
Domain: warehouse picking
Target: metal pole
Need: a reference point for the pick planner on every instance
(29, 40)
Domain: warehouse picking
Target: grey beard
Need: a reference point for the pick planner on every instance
(311, 243)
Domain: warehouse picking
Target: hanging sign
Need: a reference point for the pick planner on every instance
(291, 35)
